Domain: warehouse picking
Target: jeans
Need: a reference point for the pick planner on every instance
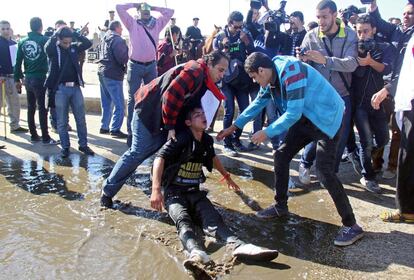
(65, 97)
(112, 96)
(186, 207)
(135, 75)
(370, 123)
(36, 93)
(299, 135)
(12, 101)
(309, 154)
(143, 145)
(242, 97)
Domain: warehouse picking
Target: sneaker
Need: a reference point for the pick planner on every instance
(35, 139)
(388, 174)
(255, 253)
(19, 130)
(370, 185)
(252, 146)
(304, 175)
(86, 150)
(230, 152)
(51, 142)
(239, 147)
(348, 235)
(106, 201)
(103, 131)
(195, 264)
(344, 157)
(271, 212)
(356, 163)
(291, 184)
(64, 153)
(199, 256)
(119, 134)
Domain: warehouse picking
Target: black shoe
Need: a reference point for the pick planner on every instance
(239, 147)
(271, 212)
(64, 152)
(103, 131)
(252, 146)
(119, 134)
(35, 138)
(86, 150)
(20, 130)
(106, 201)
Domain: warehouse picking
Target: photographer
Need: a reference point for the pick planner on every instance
(297, 30)
(375, 61)
(237, 42)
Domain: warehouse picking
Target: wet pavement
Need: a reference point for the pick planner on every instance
(52, 226)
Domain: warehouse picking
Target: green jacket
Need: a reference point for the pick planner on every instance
(31, 52)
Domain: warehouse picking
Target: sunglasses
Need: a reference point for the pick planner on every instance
(238, 27)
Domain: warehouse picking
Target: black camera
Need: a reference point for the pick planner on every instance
(352, 10)
(368, 45)
(276, 18)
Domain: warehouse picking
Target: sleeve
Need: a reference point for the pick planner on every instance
(388, 59)
(172, 150)
(383, 27)
(211, 153)
(126, 18)
(217, 41)
(84, 43)
(120, 51)
(348, 63)
(50, 47)
(250, 46)
(18, 73)
(164, 18)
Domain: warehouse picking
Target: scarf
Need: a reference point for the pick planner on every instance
(148, 24)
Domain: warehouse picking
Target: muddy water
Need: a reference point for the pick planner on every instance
(52, 226)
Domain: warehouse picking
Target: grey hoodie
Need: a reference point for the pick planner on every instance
(112, 65)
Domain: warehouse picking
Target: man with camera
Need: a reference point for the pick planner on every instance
(297, 30)
(237, 42)
(332, 50)
(375, 61)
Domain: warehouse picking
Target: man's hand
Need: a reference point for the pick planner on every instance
(259, 137)
(18, 85)
(378, 97)
(373, 6)
(244, 38)
(232, 185)
(315, 56)
(157, 199)
(365, 61)
(171, 135)
(226, 132)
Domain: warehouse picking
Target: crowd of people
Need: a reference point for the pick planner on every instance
(304, 88)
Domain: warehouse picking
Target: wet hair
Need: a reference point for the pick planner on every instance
(64, 32)
(299, 15)
(215, 56)
(36, 24)
(114, 25)
(327, 4)
(235, 16)
(256, 60)
(186, 113)
(366, 19)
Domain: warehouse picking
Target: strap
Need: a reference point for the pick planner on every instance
(340, 73)
(152, 39)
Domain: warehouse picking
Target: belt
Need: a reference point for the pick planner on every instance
(143, 63)
(69, 84)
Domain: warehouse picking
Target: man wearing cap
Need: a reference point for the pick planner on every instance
(111, 18)
(144, 35)
(193, 34)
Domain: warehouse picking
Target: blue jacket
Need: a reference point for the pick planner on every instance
(304, 91)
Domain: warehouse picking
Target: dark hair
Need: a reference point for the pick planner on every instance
(312, 25)
(174, 30)
(185, 113)
(64, 32)
(256, 60)
(299, 15)
(235, 16)
(60, 22)
(366, 19)
(327, 4)
(36, 24)
(114, 25)
(215, 56)
(4, 22)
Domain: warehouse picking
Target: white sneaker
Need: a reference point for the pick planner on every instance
(304, 175)
(199, 256)
(370, 185)
(388, 174)
(253, 252)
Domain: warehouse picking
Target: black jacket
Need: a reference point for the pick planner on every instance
(6, 67)
(52, 50)
(112, 65)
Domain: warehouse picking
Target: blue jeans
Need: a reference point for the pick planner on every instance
(309, 154)
(242, 97)
(112, 96)
(143, 145)
(135, 75)
(65, 97)
(370, 123)
(36, 93)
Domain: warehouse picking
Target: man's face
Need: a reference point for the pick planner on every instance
(195, 22)
(65, 42)
(326, 20)
(262, 76)
(5, 30)
(118, 29)
(235, 26)
(145, 15)
(197, 120)
(111, 16)
(408, 16)
(172, 21)
(365, 31)
(217, 72)
(295, 23)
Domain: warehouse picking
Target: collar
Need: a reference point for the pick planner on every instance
(209, 82)
(150, 24)
(341, 33)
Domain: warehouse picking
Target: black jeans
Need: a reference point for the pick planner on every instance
(188, 209)
(36, 96)
(405, 174)
(297, 137)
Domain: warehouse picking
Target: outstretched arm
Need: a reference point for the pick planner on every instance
(226, 176)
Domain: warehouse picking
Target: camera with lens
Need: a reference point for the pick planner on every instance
(275, 18)
(352, 10)
(368, 45)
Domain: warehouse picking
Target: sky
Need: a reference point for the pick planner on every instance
(210, 12)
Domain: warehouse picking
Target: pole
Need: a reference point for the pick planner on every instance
(3, 96)
(171, 37)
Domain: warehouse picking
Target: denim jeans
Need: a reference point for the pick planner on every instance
(299, 135)
(112, 96)
(65, 97)
(242, 97)
(309, 153)
(135, 75)
(185, 208)
(12, 101)
(370, 124)
(35, 93)
(143, 145)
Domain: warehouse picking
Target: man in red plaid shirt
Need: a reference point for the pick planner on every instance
(157, 106)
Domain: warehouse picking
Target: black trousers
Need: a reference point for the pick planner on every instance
(405, 169)
(188, 209)
(298, 136)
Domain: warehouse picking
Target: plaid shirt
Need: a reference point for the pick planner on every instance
(160, 102)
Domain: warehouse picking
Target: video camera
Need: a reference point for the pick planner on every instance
(368, 45)
(272, 19)
(352, 10)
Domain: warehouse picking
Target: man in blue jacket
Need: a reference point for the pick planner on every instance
(312, 110)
